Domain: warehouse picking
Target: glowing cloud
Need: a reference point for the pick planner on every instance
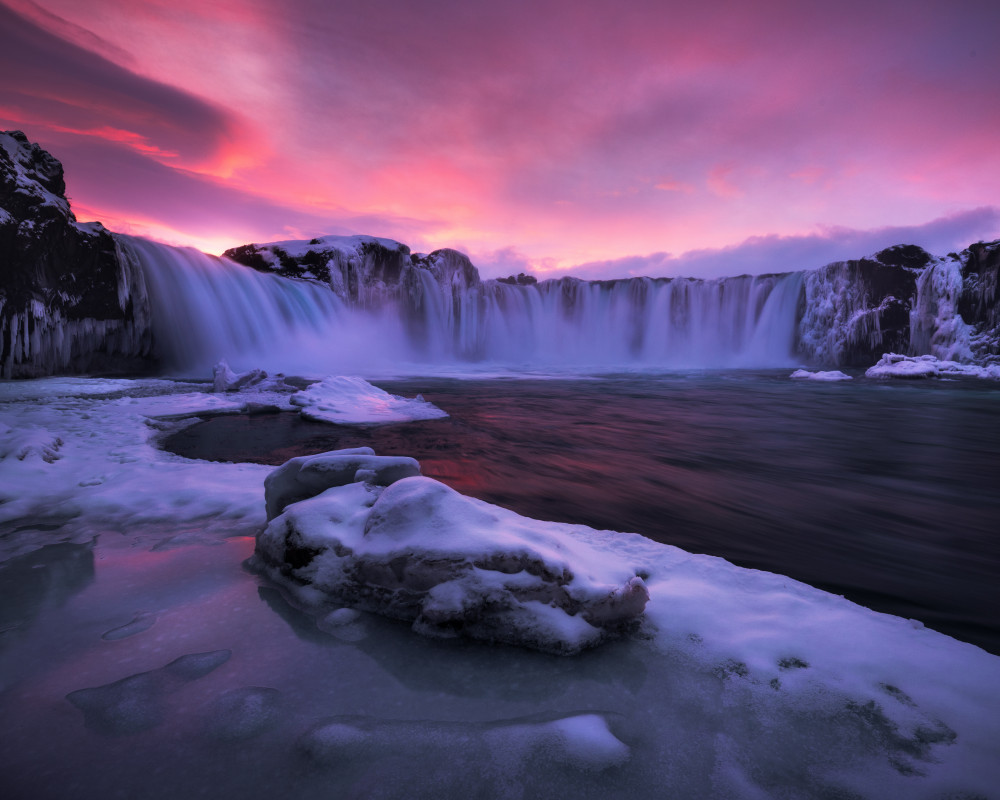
(567, 133)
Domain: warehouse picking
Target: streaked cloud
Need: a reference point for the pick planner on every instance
(574, 133)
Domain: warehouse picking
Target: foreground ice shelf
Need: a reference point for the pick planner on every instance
(738, 683)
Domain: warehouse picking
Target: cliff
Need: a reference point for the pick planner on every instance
(68, 301)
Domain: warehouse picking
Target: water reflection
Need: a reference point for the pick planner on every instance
(883, 493)
(41, 580)
(472, 669)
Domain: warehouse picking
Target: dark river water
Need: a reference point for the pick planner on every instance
(886, 493)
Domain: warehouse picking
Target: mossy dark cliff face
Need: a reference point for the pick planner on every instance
(69, 303)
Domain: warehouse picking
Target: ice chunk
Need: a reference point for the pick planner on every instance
(225, 380)
(894, 365)
(354, 401)
(831, 375)
(586, 742)
(244, 713)
(308, 476)
(453, 565)
(29, 443)
(137, 703)
(139, 623)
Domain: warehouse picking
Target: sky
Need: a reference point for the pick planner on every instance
(602, 139)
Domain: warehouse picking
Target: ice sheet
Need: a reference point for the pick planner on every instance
(894, 365)
(354, 401)
(829, 375)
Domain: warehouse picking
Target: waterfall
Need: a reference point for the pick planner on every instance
(679, 323)
(936, 327)
(205, 308)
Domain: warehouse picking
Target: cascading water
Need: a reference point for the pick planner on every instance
(205, 308)
(936, 327)
(639, 322)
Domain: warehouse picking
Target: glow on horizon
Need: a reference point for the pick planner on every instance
(534, 136)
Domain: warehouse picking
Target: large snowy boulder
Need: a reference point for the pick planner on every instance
(452, 565)
(307, 476)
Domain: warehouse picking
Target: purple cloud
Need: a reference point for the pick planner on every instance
(763, 254)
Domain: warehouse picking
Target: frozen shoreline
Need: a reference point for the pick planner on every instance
(887, 706)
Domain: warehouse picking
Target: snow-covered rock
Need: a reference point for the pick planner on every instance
(451, 565)
(829, 375)
(307, 476)
(894, 365)
(354, 401)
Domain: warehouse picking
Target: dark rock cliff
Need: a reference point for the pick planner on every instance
(68, 301)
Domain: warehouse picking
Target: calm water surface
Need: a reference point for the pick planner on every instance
(885, 493)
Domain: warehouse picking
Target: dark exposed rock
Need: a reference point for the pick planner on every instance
(853, 311)
(979, 304)
(519, 280)
(69, 302)
(909, 256)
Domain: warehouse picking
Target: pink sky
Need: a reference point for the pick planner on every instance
(612, 138)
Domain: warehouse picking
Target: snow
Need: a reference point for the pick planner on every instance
(831, 375)
(354, 401)
(894, 365)
(738, 683)
(345, 245)
(307, 476)
(510, 749)
(29, 443)
(84, 450)
(25, 181)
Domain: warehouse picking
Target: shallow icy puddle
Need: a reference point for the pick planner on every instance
(168, 735)
(232, 692)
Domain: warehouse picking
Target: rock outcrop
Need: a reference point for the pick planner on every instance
(69, 301)
(368, 532)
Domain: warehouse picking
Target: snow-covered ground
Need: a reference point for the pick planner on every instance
(738, 683)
